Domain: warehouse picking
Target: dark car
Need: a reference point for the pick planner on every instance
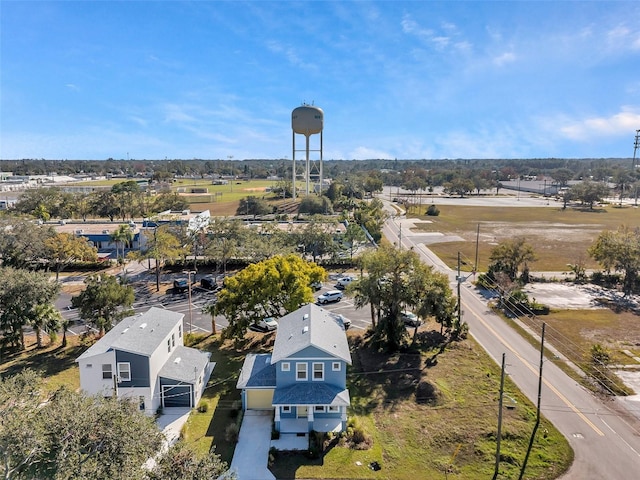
(209, 282)
(180, 284)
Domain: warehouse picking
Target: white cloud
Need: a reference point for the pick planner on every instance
(364, 153)
(621, 123)
(504, 58)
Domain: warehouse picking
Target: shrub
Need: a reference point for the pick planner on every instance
(232, 432)
(433, 211)
(203, 407)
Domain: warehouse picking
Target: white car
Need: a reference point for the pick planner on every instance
(330, 296)
(344, 282)
(267, 324)
(410, 318)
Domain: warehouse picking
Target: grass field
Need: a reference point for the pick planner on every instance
(559, 237)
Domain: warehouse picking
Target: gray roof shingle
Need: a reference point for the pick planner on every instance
(184, 364)
(140, 334)
(310, 325)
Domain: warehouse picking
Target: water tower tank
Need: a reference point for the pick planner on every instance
(307, 120)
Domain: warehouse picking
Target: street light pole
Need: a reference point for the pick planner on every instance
(189, 272)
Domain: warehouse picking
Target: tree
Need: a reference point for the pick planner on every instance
(71, 435)
(63, 249)
(127, 197)
(181, 463)
(397, 280)
(103, 204)
(589, 192)
(510, 255)
(21, 293)
(161, 245)
(104, 301)
(619, 250)
(211, 308)
(46, 317)
(459, 186)
(317, 237)
(314, 205)
(252, 206)
(22, 242)
(270, 288)
(123, 235)
(354, 236)
(225, 235)
(372, 216)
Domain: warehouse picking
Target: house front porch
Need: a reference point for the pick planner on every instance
(309, 422)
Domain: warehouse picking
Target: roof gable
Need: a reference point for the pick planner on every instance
(310, 326)
(141, 334)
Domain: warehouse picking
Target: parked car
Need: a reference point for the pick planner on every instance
(316, 285)
(210, 283)
(344, 282)
(410, 319)
(330, 296)
(267, 324)
(180, 284)
(346, 323)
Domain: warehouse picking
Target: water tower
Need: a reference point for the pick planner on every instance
(308, 120)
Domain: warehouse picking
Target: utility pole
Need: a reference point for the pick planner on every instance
(535, 427)
(499, 434)
(475, 265)
(459, 279)
(636, 145)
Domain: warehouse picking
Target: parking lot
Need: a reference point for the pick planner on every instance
(197, 322)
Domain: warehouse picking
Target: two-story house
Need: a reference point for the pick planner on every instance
(143, 357)
(304, 379)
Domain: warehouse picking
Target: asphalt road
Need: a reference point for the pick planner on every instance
(604, 437)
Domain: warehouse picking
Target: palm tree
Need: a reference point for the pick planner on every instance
(123, 236)
(211, 309)
(45, 317)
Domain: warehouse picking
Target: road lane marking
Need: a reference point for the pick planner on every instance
(549, 385)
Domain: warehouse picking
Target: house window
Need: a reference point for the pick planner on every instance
(169, 345)
(335, 366)
(286, 366)
(286, 409)
(173, 340)
(107, 372)
(124, 371)
(179, 330)
(89, 365)
(334, 409)
(318, 408)
(301, 371)
(318, 371)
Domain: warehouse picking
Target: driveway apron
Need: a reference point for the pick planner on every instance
(252, 451)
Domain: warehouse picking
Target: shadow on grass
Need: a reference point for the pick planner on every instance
(229, 357)
(379, 379)
(288, 463)
(47, 362)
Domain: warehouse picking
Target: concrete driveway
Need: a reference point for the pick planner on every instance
(252, 451)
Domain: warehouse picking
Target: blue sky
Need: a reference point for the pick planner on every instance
(406, 80)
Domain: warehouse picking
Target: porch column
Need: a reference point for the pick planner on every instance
(343, 411)
(276, 420)
(277, 417)
(310, 418)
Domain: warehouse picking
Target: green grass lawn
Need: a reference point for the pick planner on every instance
(434, 412)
